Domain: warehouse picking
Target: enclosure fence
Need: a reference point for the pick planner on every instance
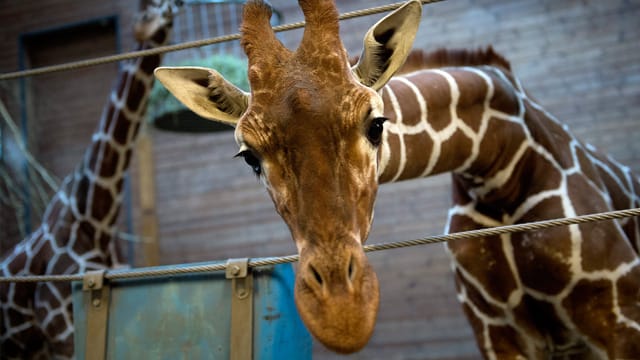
(151, 272)
(187, 45)
(471, 234)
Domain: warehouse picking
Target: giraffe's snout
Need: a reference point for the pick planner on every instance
(337, 295)
(327, 278)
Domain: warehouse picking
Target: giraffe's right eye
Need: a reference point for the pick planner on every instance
(374, 133)
(251, 160)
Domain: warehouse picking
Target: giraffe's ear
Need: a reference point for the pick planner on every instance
(387, 44)
(205, 92)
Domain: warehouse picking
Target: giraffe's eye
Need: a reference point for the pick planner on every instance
(374, 133)
(251, 160)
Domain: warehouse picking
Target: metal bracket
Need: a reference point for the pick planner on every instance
(241, 309)
(96, 303)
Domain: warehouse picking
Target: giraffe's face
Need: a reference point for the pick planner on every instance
(314, 145)
(157, 15)
(310, 129)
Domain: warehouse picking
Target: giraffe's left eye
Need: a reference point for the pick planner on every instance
(374, 133)
(252, 160)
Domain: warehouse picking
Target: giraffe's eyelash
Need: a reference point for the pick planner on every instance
(251, 159)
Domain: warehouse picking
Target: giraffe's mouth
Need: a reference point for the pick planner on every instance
(337, 297)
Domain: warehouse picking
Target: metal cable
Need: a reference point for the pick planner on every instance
(185, 45)
(506, 229)
(141, 273)
(471, 234)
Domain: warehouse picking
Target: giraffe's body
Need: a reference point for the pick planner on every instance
(77, 233)
(312, 129)
(571, 290)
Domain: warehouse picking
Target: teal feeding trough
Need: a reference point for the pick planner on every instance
(204, 315)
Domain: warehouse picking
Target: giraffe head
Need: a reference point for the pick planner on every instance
(310, 129)
(158, 15)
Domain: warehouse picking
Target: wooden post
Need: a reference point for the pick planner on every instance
(147, 191)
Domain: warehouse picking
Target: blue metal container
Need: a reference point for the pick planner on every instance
(188, 317)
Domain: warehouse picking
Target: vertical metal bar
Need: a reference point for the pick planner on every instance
(204, 25)
(147, 191)
(219, 27)
(176, 34)
(241, 339)
(235, 27)
(191, 35)
(96, 301)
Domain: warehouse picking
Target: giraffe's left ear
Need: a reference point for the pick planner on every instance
(387, 44)
(205, 92)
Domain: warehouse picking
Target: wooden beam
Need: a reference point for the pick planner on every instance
(147, 191)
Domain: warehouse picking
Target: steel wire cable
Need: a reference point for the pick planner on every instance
(185, 45)
(471, 234)
(151, 272)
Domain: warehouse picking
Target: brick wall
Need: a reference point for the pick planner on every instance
(578, 58)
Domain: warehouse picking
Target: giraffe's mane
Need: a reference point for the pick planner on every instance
(420, 59)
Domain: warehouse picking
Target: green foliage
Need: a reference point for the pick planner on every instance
(232, 68)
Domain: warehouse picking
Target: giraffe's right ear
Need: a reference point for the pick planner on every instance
(205, 92)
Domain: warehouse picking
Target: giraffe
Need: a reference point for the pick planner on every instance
(322, 135)
(77, 232)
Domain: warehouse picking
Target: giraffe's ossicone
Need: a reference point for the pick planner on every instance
(322, 135)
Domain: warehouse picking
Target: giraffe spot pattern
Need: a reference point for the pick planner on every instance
(513, 162)
(77, 233)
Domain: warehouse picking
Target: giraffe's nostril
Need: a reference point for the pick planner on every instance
(316, 275)
(337, 296)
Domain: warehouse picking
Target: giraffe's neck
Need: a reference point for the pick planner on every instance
(478, 123)
(513, 162)
(77, 229)
(439, 121)
(88, 202)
